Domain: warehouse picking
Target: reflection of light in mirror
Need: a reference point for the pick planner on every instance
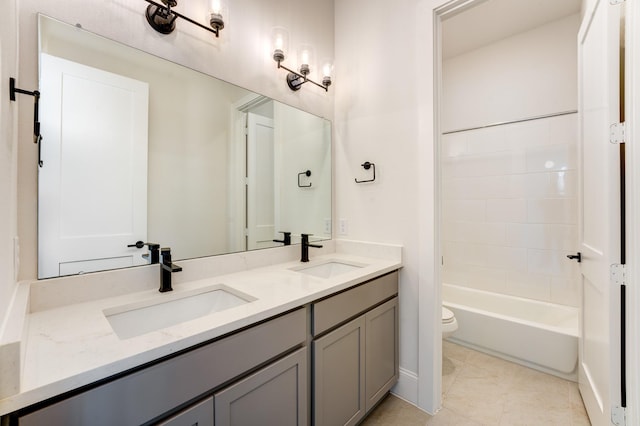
(561, 181)
(549, 164)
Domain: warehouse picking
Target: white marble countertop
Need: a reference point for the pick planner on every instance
(73, 345)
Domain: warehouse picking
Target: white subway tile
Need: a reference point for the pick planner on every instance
(529, 285)
(487, 233)
(464, 210)
(564, 129)
(537, 236)
(551, 158)
(529, 133)
(508, 258)
(507, 210)
(488, 140)
(550, 184)
(565, 290)
(551, 210)
(551, 262)
(454, 144)
(489, 279)
(458, 275)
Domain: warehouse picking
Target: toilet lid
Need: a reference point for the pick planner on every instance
(447, 315)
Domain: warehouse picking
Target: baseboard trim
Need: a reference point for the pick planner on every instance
(407, 386)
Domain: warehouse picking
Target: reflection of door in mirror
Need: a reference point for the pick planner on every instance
(95, 125)
(260, 187)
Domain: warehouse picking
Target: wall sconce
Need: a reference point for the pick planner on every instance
(163, 19)
(295, 79)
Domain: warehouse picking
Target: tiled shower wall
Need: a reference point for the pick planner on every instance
(509, 211)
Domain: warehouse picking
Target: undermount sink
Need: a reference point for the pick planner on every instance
(328, 269)
(164, 310)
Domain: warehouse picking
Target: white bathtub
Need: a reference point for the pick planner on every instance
(539, 335)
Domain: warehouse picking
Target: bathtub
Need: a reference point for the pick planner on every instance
(540, 335)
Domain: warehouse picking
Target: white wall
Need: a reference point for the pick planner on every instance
(377, 121)
(241, 56)
(8, 151)
(488, 85)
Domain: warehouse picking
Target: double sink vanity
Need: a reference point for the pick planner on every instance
(247, 338)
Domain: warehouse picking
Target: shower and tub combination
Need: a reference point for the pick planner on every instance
(509, 218)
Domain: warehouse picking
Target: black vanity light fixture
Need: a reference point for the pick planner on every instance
(295, 79)
(162, 17)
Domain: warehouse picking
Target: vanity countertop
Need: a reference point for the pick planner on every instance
(70, 346)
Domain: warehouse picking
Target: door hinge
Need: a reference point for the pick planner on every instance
(617, 133)
(618, 415)
(618, 274)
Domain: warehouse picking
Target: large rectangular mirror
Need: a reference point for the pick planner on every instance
(138, 148)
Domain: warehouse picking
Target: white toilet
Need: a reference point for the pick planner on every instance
(449, 323)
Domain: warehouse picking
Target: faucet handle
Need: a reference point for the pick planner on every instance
(153, 248)
(286, 240)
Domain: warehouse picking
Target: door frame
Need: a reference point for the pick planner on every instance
(632, 116)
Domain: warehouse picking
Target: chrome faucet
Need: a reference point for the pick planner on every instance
(305, 247)
(166, 269)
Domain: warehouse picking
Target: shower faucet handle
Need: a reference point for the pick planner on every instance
(577, 256)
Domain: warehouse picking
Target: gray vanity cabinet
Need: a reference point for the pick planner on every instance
(275, 395)
(355, 363)
(161, 390)
(200, 414)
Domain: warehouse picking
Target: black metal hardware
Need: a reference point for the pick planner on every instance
(305, 247)
(286, 240)
(577, 256)
(307, 174)
(154, 251)
(367, 165)
(166, 269)
(37, 137)
(295, 80)
(163, 19)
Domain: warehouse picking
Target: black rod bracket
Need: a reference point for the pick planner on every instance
(367, 165)
(37, 137)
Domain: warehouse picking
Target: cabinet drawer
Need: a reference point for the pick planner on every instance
(337, 309)
(148, 393)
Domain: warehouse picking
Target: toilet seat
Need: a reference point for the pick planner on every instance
(447, 316)
(449, 323)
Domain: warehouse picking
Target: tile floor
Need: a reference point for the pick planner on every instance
(479, 389)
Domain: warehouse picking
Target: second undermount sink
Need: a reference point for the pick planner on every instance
(164, 310)
(328, 269)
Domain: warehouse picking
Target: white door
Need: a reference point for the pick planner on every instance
(260, 182)
(599, 46)
(92, 187)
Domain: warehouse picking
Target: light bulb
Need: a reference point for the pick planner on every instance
(280, 42)
(216, 6)
(304, 57)
(217, 13)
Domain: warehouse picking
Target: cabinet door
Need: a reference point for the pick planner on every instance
(275, 395)
(200, 414)
(381, 351)
(338, 376)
